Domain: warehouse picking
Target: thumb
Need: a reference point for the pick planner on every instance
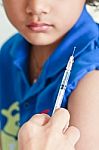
(60, 119)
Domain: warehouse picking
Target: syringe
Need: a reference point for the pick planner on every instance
(64, 82)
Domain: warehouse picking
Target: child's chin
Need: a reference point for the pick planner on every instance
(41, 41)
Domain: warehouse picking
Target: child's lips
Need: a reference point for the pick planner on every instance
(39, 27)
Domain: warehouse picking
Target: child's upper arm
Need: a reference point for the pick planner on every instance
(83, 106)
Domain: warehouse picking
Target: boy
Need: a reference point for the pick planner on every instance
(32, 64)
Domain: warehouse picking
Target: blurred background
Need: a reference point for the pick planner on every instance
(6, 29)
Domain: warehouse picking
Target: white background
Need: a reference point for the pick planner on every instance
(6, 29)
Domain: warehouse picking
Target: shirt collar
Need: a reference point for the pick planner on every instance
(19, 50)
(84, 31)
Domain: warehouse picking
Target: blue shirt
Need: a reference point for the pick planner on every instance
(19, 100)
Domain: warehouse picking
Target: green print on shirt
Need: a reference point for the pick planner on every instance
(9, 133)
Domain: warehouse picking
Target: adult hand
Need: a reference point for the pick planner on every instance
(43, 132)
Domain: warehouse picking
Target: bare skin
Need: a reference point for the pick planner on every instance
(83, 107)
(84, 101)
(43, 132)
(39, 11)
(40, 54)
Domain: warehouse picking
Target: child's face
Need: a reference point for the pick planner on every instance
(61, 15)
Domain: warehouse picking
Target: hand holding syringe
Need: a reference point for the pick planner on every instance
(64, 82)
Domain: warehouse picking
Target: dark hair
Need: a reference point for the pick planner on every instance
(92, 2)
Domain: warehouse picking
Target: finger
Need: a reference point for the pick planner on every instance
(60, 119)
(72, 134)
(40, 119)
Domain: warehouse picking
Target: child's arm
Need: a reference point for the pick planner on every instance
(83, 106)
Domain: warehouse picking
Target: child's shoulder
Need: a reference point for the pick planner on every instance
(85, 62)
(6, 51)
(8, 47)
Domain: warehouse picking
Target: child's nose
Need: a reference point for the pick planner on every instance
(37, 7)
